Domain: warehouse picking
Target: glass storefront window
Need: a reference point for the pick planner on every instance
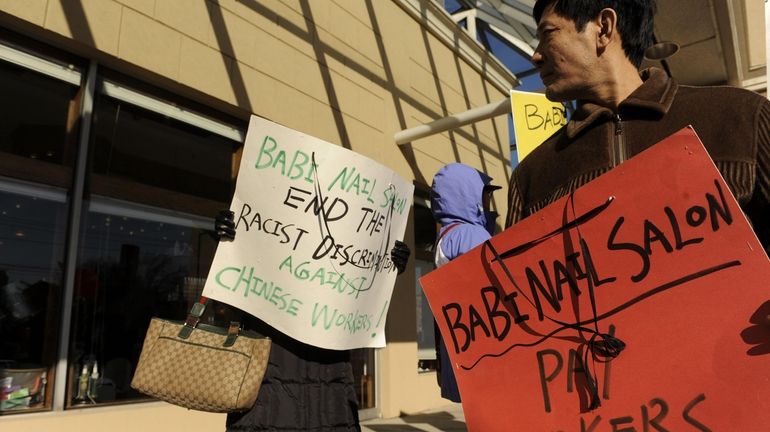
(133, 264)
(362, 363)
(426, 341)
(37, 139)
(155, 183)
(147, 149)
(37, 143)
(32, 237)
(424, 237)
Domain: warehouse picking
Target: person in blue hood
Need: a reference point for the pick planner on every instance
(459, 200)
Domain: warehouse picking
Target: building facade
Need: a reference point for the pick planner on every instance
(120, 139)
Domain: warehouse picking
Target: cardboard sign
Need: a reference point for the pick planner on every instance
(655, 254)
(535, 118)
(315, 225)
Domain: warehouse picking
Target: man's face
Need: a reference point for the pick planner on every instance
(564, 57)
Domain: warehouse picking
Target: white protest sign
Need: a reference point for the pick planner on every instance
(315, 224)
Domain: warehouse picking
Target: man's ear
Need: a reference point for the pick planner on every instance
(607, 22)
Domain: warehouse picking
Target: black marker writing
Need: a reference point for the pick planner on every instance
(331, 211)
(285, 232)
(717, 211)
(553, 117)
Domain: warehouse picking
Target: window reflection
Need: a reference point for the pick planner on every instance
(31, 259)
(146, 148)
(129, 270)
(424, 237)
(145, 247)
(362, 363)
(37, 130)
(37, 138)
(36, 125)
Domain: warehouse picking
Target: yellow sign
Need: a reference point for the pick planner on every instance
(535, 118)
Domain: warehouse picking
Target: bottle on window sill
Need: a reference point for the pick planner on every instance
(93, 383)
(82, 384)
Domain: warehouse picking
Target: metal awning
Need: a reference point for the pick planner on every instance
(511, 20)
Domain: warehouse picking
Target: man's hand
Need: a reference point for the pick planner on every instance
(758, 335)
(400, 255)
(224, 226)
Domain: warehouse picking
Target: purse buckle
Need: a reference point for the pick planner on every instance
(193, 318)
(232, 334)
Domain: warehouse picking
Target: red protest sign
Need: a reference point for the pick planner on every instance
(653, 259)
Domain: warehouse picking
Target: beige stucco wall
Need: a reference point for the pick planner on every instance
(352, 72)
(151, 416)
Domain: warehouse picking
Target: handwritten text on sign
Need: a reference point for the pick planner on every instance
(315, 224)
(535, 118)
(634, 304)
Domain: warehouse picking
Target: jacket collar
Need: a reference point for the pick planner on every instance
(655, 95)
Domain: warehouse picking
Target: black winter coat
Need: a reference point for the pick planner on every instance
(305, 388)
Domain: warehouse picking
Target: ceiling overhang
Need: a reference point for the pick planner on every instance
(721, 41)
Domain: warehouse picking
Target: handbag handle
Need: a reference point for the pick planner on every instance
(194, 317)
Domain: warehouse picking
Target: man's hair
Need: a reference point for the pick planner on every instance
(635, 20)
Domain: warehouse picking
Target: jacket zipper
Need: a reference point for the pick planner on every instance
(619, 151)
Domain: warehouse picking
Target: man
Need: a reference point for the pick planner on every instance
(460, 197)
(590, 51)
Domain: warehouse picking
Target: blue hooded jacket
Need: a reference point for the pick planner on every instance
(456, 200)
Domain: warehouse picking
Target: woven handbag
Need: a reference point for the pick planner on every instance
(201, 367)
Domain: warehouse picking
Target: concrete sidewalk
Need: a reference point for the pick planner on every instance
(446, 418)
